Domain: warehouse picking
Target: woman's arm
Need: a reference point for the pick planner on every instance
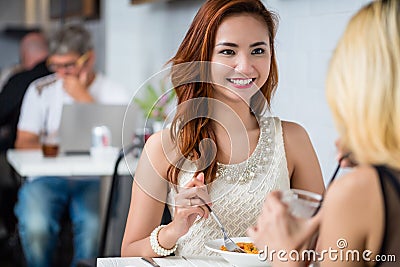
(148, 197)
(303, 165)
(149, 193)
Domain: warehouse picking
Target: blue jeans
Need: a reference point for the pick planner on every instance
(42, 202)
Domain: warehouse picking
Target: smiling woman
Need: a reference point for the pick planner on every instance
(223, 147)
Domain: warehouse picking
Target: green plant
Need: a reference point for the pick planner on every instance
(155, 103)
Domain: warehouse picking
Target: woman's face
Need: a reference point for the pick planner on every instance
(241, 58)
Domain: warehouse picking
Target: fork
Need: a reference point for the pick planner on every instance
(229, 244)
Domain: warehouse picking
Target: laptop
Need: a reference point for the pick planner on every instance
(78, 120)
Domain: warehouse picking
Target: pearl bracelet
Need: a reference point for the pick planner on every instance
(155, 245)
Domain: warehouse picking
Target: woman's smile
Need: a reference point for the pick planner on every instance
(241, 83)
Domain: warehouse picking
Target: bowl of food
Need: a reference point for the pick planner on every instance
(248, 259)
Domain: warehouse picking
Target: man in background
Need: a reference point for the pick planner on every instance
(33, 53)
(43, 200)
(32, 49)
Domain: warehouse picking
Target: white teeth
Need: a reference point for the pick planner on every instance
(241, 81)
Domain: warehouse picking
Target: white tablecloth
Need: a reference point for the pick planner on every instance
(32, 163)
(164, 262)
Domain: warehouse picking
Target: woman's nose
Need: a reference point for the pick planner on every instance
(244, 65)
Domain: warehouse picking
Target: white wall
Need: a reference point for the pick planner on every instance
(140, 39)
(11, 13)
(308, 32)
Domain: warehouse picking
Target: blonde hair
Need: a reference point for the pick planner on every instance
(363, 85)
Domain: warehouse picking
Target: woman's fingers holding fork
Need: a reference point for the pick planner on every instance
(191, 197)
(188, 205)
(203, 196)
(194, 194)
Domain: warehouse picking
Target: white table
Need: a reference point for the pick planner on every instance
(32, 163)
(164, 262)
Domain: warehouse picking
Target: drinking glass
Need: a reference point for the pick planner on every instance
(301, 203)
(50, 144)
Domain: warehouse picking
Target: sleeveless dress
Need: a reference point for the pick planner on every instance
(239, 191)
(390, 185)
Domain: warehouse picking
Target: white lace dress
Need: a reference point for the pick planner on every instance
(239, 190)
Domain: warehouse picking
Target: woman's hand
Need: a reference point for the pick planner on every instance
(278, 230)
(189, 204)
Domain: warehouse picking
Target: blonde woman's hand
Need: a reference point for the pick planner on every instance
(189, 204)
(277, 229)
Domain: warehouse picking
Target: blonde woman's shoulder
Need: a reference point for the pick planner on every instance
(354, 209)
(359, 184)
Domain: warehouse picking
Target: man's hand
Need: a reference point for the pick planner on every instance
(77, 87)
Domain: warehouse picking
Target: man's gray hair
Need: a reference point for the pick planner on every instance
(71, 39)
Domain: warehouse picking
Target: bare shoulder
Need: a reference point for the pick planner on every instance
(159, 151)
(159, 142)
(353, 209)
(360, 185)
(294, 132)
(304, 174)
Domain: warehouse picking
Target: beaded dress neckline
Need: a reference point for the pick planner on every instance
(248, 169)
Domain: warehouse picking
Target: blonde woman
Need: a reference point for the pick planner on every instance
(361, 210)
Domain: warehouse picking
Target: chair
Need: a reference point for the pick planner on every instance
(166, 218)
(10, 248)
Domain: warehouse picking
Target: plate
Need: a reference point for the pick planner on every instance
(236, 259)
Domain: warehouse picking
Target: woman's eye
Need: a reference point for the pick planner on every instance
(258, 51)
(227, 52)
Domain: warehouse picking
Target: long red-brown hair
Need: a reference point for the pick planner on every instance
(189, 83)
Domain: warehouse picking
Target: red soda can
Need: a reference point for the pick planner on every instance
(101, 136)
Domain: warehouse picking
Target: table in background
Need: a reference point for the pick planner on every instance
(32, 163)
(201, 261)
